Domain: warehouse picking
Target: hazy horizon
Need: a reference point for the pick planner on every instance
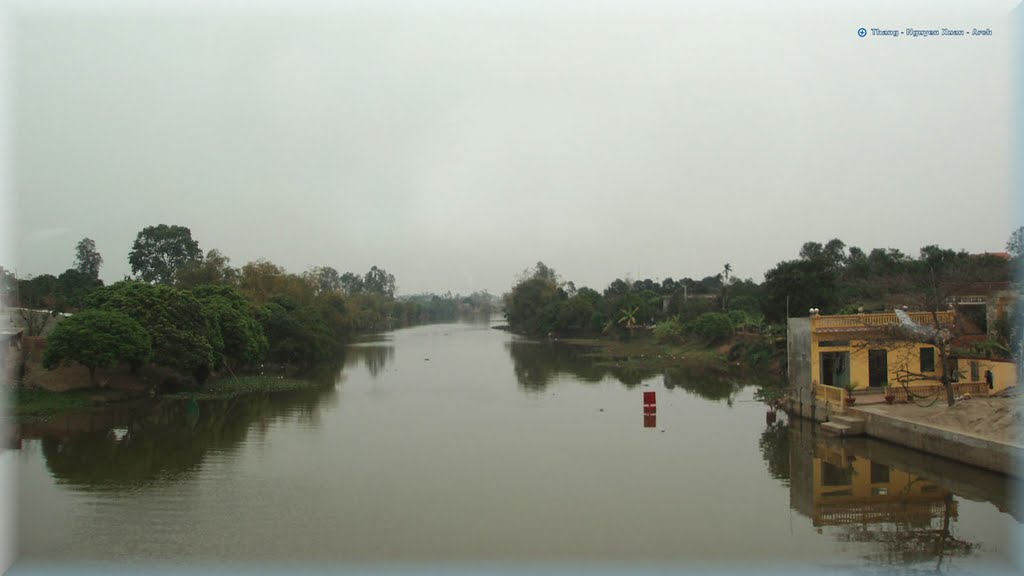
(457, 145)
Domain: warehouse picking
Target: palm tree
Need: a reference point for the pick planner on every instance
(628, 317)
(724, 276)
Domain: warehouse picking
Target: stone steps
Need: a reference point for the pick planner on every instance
(844, 426)
(855, 424)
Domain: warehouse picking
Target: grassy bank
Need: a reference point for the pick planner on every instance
(229, 387)
(646, 354)
(33, 403)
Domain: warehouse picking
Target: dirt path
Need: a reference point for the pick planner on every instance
(994, 418)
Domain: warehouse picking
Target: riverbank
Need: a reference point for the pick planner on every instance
(35, 404)
(983, 432)
(646, 354)
(231, 387)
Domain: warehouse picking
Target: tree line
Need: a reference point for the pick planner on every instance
(198, 315)
(830, 277)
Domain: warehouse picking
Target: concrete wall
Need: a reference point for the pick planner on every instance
(972, 450)
(798, 335)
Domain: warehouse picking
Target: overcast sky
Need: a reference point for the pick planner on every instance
(456, 145)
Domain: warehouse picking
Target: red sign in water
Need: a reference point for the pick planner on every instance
(650, 420)
(649, 399)
(649, 409)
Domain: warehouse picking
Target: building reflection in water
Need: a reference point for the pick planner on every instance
(855, 490)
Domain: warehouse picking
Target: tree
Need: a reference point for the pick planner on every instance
(351, 283)
(1015, 245)
(98, 339)
(325, 279)
(87, 259)
(73, 286)
(803, 284)
(378, 281)
(525, 304)
(160, 251)
(726, 271)
(183, 338)
(213, 269)
(241, 338)
(38, 292)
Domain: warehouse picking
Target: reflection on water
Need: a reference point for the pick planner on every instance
(135, 445)
(374, 356)
(438, 448)
(537, 364)
(901, 504)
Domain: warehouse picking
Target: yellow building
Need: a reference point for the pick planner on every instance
(866, 352)
(852, 489)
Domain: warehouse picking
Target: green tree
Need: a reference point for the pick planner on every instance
(297, 334)
(1015, 245)
(378, 281)
(803, 284)
(182, 336)
(726, 272)
(87, 259)
(241, 336)
(73, 287)
(534, 291)
(351, 283)
(214, 269)
(160, 251)
(326, 279)
(38, 292)
(98, 339)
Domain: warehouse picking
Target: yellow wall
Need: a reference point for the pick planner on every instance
(903, 356)
(1004, 374)
(900, 485)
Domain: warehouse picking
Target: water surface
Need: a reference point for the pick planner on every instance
(463, 444)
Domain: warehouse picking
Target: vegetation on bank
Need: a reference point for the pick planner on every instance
(32, 403)
(744, 321)
(200, 317)
(231, 387)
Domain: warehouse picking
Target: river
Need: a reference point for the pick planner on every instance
(462, 445)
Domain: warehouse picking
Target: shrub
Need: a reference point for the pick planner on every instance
(712, 327)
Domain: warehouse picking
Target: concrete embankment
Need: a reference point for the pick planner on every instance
(999, 456)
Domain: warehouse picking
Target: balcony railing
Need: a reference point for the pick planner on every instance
(854, 322)
(929, 390)
(831, 396)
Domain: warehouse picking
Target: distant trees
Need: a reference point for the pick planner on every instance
(160, 251)
(214, 269)
(98, 339)
(378, 281)
(326, 279)
(87, 259)
(1015, 245)
(535, 291)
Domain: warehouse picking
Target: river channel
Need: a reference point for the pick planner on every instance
(459, 444)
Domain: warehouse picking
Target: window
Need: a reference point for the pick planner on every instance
(879, 473)
(927, 359)
(832, 475)
(975, 372)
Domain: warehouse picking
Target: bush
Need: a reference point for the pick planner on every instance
(668, 331)
(711, 327)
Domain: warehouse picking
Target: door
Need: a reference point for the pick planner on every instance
(878, 368)
(835, 368)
